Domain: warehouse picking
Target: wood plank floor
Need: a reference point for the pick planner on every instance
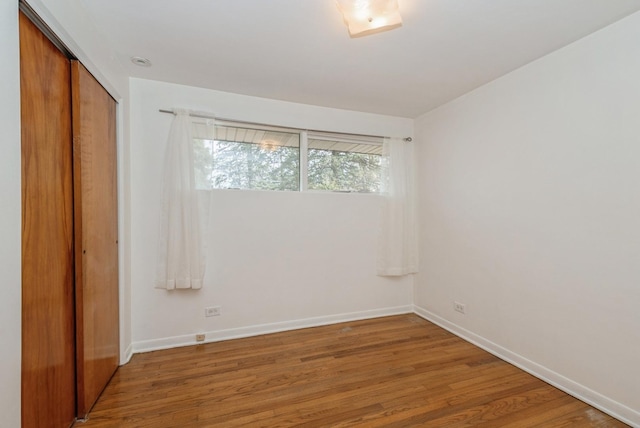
(395, 371)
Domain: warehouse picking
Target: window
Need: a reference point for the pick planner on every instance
(246, 158)
(269, 158)
(343, 165)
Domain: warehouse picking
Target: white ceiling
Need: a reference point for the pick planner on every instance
(300, 50)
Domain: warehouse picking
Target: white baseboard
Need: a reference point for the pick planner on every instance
(581, 392)
(256, 330)
(125, 357)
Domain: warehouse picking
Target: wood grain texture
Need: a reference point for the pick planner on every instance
(96, 236)
(396, 371)
(48, 352)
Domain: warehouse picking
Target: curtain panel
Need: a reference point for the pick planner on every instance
(398, 240)
(181, 262)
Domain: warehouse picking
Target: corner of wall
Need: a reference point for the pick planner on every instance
(10, 217)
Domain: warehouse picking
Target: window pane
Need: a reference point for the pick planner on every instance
(344, 166)
(243, 158)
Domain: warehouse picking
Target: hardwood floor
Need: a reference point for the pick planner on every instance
(395, 371)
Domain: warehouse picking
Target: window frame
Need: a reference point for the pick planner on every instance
(303, 147)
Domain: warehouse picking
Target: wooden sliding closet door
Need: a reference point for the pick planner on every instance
(48, 339)
(96, 235)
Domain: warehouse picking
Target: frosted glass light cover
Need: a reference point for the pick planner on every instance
(368, 16)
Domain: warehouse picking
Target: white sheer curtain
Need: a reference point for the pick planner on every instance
(398, 240)
(181, 261)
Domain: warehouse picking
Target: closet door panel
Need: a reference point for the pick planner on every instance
(48, 340)
(96, 235)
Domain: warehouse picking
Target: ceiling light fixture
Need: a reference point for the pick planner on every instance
(365, 17)
(142, 62)
(268, 145)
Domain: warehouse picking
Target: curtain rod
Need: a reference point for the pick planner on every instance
(210, 116)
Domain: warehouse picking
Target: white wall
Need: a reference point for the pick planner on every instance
(10, 268)
(275, 259)
(530, 215)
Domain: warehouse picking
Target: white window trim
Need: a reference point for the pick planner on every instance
(304, 162)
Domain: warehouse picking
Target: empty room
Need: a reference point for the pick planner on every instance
(320, 213)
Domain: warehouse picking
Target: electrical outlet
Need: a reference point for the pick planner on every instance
(212, 311)
(459, 307)
(200, 337)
